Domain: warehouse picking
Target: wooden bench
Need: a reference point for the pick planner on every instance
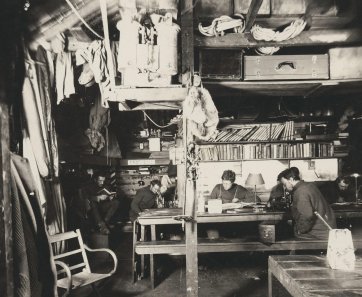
(222, 245)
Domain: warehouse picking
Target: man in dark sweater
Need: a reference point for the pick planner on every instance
(339, 190)
(102, 201)
(228, 191)
(307, 199)
(145, 198)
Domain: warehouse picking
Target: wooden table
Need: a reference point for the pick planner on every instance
(307, 275)
(154, 217)
(166, 216)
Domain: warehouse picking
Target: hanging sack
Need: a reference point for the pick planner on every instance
(340, 252)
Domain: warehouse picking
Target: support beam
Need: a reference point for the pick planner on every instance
(6, 244)
(187, 48)
(323, 37)
(187, 40)
(252, 13)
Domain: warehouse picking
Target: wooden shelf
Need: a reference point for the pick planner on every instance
(269, 142)
(104, 161)
(268, 159)
(322, 37)
(157, 94)
(143, 162)
(303, 88)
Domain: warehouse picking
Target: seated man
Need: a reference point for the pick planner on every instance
(228, 191)
(307, 199)
(145, 198)
(338, 190)
(103, 204)
(279, 197)
(168, 186)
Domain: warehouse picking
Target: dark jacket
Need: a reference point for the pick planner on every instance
(144, 199)
(236, 191)
(307, 199)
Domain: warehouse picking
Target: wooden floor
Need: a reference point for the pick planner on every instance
(228, 275)
(220, 275)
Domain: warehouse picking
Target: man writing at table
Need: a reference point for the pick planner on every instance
(145, 198)
(228, 191)
(306, 200)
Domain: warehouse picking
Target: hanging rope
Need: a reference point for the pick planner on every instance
(157, 125)
(259, 33)
(220, 24)
(82, 20)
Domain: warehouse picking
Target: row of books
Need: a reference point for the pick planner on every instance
(261, 132)
(266, 151)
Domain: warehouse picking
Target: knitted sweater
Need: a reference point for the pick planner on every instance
(307, 199)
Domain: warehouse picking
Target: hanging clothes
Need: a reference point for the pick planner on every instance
(29, 155)
(95, 54)
(21, 265)
(47, 96)
(64, 76)
(38, 96)
(99, 118)
(35, 272)
(35, 128)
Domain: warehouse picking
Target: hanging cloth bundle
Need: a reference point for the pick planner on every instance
(199, 108)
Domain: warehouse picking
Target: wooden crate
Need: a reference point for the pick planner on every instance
(286, 67)
(221, 64)
(345, 62)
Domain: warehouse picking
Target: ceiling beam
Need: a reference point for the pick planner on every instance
(306, 38)
(252, 13)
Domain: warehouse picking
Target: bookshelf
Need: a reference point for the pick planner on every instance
(275, 141)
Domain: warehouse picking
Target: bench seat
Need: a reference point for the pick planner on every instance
(222, 245)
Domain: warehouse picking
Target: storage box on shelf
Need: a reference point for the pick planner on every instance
(341, 57)
(286, 67)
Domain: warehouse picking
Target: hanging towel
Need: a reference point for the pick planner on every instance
(64, 76)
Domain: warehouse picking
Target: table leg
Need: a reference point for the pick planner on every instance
(142, 256)
(270, 283)
(134, 266)
(152, 260)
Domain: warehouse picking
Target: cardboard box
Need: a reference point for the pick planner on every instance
(154, 144)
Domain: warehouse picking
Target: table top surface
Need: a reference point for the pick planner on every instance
(168, 215)
(309, 275)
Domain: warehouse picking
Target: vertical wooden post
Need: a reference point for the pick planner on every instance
(187, 48)
(6, 253)
(187, 40)
(192, 281)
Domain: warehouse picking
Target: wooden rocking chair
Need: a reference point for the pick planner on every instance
(78, 274)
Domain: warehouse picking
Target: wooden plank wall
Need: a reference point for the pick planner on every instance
(6, 253)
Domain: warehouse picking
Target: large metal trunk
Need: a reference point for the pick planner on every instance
(286, 67)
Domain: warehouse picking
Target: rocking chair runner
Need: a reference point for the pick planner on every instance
(77, 275)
